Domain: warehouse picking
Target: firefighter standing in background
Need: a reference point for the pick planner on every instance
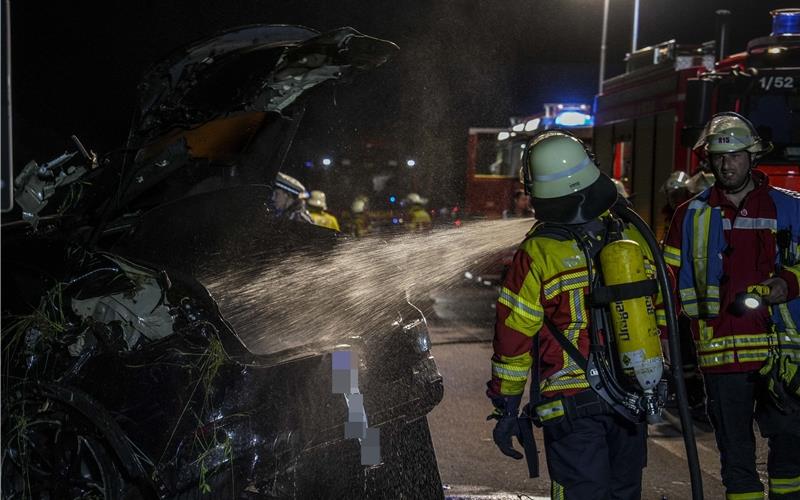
(317, 207)
(288, 198)
(418, 217)
(592, 451)
(677, 191)
(520, 205)
(359, 223)
(738, 233)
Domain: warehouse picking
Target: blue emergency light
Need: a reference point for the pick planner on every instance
(785, 22)
(574, 119)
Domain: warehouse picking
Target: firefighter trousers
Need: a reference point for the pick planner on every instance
(734, 401)
(595, 457)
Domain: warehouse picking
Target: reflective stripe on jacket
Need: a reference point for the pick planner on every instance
(717, 250)
(546, 277)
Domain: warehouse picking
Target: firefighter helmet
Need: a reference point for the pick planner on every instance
(676, 180)
(730, 132)
(359, 205)
(317, 200)
(699, 182)
(290, 185)
(416, 199)
(563, 180)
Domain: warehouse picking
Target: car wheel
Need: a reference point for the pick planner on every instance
(51, 451)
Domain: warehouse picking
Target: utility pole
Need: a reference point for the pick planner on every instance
(603, 47)
(635, 37)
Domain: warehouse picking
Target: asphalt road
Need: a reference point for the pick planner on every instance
(470, 464)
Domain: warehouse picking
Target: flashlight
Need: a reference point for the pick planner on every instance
(753, 298)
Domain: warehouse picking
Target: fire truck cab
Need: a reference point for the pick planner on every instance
(649, 118)
(494, 155)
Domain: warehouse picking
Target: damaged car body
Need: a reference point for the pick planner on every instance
(123, 377)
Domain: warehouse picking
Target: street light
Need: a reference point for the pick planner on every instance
(327, 162)
(411, 163)
(634, 39)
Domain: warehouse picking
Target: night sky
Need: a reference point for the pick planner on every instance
(462, 63)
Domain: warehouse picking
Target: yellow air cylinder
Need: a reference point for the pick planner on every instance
(633, 320)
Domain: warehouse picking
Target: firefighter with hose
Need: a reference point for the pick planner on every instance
(588, 268)
(734, 251)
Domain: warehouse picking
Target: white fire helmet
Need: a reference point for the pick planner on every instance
(317, 200)
(290, 185)
(563, 180)
(676, 180)
(416, 199)
(730, 132)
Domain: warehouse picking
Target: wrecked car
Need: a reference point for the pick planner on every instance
(125, 377)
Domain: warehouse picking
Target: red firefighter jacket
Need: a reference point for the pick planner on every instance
(737, 339)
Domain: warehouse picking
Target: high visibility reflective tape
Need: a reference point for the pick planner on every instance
(735, 341)
(788, 321)
(520, 305)
(784, 486)
(672, 256)
(550, 410)
(661, 317)
(755, 223)
(688, 295)
(563, 384)
(749, 355)
(577, 311)
(556, 491)
(564, 173)
(717, 359)
(701, 223)
(565, 283)
(506, 372)
(753, 495)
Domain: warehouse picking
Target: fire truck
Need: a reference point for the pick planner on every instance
(494, 155)
(648, 119)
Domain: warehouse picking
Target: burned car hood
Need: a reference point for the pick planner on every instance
(226, 100)
(258, 68)
(219, 109)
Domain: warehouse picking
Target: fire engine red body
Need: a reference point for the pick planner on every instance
(647, 120)
(494, 155)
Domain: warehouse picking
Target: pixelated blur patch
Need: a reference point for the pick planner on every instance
(344, 365)
(345, 372)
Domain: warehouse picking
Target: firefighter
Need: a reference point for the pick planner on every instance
(738, 233)
(545, 325)
(418, 217)
(360, 224)
(288, 198)
(520, 205)
(318, 208)
(676, 189)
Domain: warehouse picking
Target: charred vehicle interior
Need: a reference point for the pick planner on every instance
(124, 375)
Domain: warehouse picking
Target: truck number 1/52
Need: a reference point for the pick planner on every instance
(776, 82)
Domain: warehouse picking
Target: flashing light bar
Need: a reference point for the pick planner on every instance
(532, 124)
(574, 119)
(785, 22)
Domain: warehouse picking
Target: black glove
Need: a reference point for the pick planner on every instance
(506, 415)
